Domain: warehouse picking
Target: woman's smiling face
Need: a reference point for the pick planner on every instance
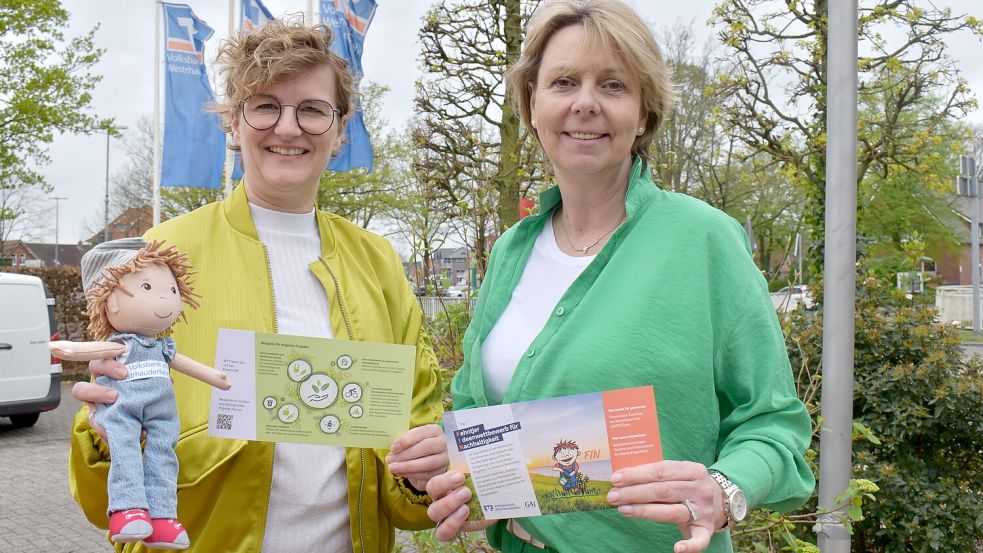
(283, 164)
(586, 108)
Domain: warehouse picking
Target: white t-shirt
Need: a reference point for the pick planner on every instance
(548, 274)
(308, 509)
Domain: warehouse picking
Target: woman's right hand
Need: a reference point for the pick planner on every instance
(450, 506)
(91, 393)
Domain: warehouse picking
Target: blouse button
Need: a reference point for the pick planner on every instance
(532, 351)
(560, 311)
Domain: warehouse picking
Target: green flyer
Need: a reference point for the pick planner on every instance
(311, 390)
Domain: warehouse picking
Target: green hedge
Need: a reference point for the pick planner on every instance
(919, 402)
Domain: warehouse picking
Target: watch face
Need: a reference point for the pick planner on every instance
(738, 506)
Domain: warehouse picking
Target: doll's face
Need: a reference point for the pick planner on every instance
(147, 302)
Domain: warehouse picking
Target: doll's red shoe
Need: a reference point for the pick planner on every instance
(168, 534)
(129, 526)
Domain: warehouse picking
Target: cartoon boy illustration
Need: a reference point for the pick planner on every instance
(565, 453)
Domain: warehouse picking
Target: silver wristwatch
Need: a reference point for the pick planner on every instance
(735, 502)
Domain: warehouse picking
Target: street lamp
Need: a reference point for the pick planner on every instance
(105, 230)
(57, 199)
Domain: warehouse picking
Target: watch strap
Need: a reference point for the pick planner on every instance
(729, 488)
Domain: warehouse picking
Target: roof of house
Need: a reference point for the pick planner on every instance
(133, 222)
(68, 254)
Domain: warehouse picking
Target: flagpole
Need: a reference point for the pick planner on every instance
(228, 152)
(157, 48)
(310, 12)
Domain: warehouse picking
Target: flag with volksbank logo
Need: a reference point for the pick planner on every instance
(252, 15)
(349, 20)
(194, 145)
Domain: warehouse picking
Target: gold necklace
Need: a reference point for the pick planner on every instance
(585, 249)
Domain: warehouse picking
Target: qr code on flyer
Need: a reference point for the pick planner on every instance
(224, 422)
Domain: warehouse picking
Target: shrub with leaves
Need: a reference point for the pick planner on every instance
(918, 432)
(447, 333)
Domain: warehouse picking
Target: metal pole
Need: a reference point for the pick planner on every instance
(157, 49)
(57, 199)
(105, 229)
(975, 241)
(310, 12)
(105, 218)
(840, 275)
(798, 249)
(228, 153)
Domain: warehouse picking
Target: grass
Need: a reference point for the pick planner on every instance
(550, 497)
(552, 500)
(967, 336)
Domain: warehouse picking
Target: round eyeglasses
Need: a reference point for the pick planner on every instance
(263, 112)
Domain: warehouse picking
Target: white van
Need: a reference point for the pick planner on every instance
(30, 379)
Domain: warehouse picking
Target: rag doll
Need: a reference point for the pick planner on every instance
(135, 293)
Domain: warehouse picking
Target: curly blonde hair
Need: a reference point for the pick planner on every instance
(607, 24)
(109, 280)
(276, 52)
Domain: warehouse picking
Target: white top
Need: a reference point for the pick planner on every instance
(308, 509)
(548, 274)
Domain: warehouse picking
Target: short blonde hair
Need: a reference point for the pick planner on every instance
(98, 295)
(276, 52)
(607, 23)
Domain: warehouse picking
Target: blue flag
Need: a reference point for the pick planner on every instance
(237, 171)
(194, 145)
(252, 15)
(349, 20)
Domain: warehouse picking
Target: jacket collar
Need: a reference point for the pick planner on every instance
(641, 190)
(236, 207)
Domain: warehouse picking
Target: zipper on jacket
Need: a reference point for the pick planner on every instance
(269, 495)
(361, 451)
(341, 303)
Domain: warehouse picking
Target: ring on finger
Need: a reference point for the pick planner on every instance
(693, 517)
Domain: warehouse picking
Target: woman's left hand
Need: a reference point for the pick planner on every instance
(419, 455)
(657, 491)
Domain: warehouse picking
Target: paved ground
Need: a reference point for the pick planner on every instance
(973, 347)
(37, 512)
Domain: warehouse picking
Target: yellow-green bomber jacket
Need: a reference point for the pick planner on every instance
(223, 484)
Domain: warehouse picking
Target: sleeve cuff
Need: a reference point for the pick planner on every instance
(412, 494)
(750, 471)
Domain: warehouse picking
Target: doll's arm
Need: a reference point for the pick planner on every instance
(85, 351)
(194, 369)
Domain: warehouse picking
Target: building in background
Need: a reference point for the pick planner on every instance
(131, 223)
(18, 253)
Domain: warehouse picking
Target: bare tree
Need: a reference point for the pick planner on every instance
(420, 217)
(133, 186)
(776, 85)
(695, 154)
(467, 45)
(23, 214)
(361, 196)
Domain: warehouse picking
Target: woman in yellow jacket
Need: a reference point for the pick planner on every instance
(267, 260)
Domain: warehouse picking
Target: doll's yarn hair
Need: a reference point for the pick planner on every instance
(109, 280)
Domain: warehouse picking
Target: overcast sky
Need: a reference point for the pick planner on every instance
(126, 32)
